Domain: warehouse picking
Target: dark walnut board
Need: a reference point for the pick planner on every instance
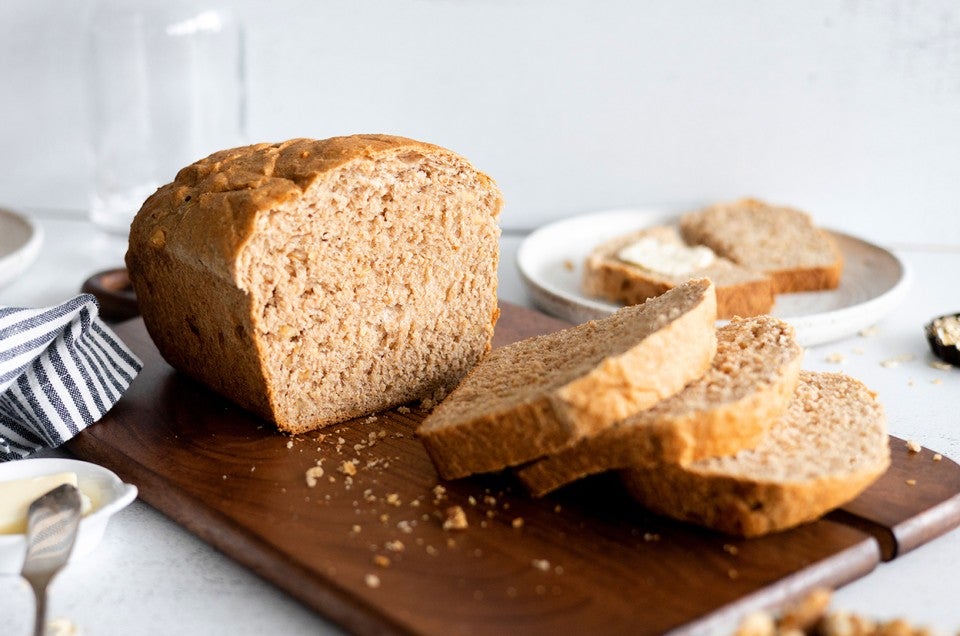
(585, 560)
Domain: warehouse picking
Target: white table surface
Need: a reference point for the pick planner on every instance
(149, 576)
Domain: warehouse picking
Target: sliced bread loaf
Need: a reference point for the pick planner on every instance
(829, 446)
(781, 242)
(316, 281)
(729, 408)
(535, 396)
(608, 274)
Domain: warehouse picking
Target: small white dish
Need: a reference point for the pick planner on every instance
(550, 261)
(107, 492)
(20, 241)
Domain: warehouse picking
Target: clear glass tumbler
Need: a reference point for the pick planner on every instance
(166, 86)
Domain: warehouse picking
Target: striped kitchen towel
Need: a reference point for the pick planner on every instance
(61, 369)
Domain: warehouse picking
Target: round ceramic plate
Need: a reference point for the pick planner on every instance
(551, 259)
(20, 240)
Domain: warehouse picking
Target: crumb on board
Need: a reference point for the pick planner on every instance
(348, 468)
(911, 482)
(456, 519)
(541, 564)
(372, 581)
(289, 443)
(381, 561)
(941, 365)
(312, 475)
(517, 522)
(937, 457)
(913, 446)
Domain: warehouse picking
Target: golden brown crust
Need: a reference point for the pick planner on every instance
(188, 242)
(467, 435)
(779, 241)
(208, 212)
(719, 414)
(827, 448)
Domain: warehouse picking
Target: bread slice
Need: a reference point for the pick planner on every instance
(829, 446)
(535, 396)
(729, 408)
(781, 242)
(740, 291)
(316, 281)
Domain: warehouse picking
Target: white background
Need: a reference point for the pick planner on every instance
(849, 109)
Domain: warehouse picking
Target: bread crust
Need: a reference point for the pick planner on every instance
(734, 496)
(550, 418)
(684, 428)
(185, 249)
(740, 292)
(728, 229)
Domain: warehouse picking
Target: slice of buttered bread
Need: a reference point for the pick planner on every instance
(729, 408)
(535, 396)
(779, 241)
(646, 263)
(828, 447)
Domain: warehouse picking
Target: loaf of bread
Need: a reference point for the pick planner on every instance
(536, 396)
(828, 447)
(316, 281)
(740, 291)
(781, 242)
(728, 409)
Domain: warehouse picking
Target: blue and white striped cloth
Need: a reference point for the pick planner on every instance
(61, 369)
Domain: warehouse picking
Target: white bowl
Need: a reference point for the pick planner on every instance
(107, 493)
(20, 241)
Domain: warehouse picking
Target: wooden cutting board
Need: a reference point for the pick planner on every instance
(365, 544)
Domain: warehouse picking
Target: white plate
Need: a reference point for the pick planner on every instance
(20, 240)
(107, 493)
(551, 260)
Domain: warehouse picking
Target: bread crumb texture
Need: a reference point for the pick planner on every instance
(748, 385)
(780, 241)
(827, 448)
(317, 281)
(535, 396)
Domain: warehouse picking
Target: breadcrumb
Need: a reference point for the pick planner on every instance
(456, 519)
(372, 581)
(913, 446)
(313, 474)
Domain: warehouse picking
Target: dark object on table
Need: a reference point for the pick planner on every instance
(943, 334)
(113, 290)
